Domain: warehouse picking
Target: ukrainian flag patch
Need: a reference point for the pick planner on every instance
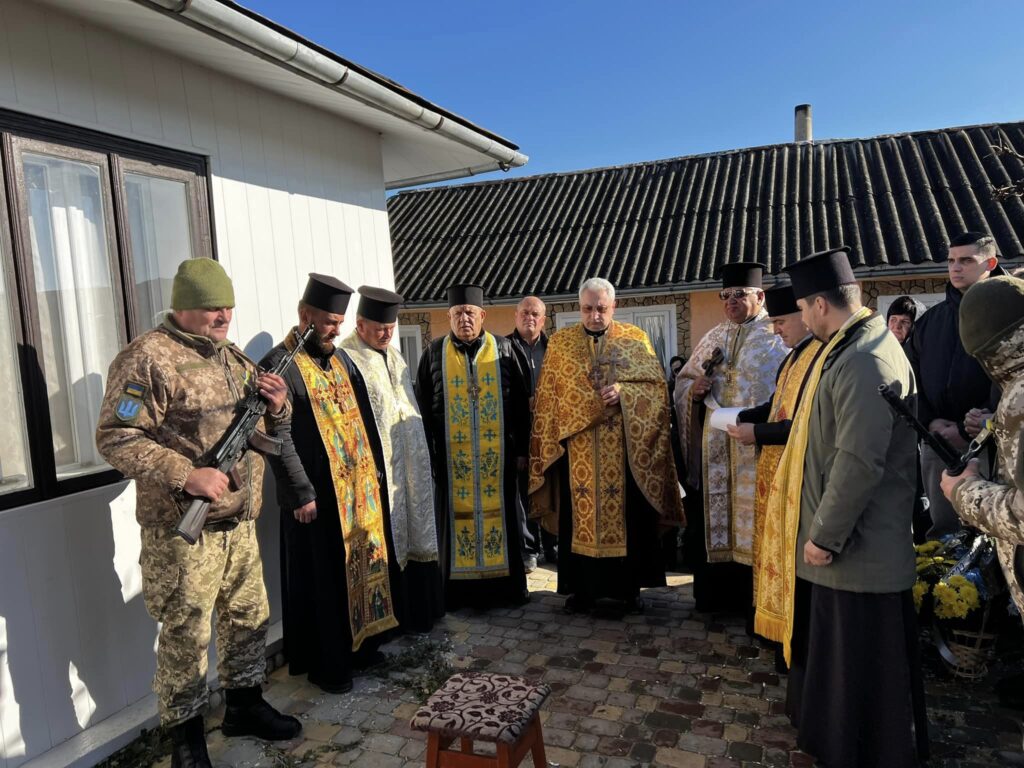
(130, 403)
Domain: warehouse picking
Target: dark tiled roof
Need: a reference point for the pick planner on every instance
(896, 200)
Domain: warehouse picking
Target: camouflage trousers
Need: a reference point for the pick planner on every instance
(182, 585)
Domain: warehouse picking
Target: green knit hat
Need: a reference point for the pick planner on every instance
(990, 311)
(201, 284)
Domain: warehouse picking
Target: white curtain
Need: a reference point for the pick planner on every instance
(74, 293)
(159, 227)
(14, 466)
(654, 327)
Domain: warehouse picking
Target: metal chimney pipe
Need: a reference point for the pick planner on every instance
(802, 123)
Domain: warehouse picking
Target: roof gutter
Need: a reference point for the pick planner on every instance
(214, 17)
(867, 273)
(458, 173)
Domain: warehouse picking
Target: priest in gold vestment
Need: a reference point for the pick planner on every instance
(721, 472)
(602, 474)
(338, 563)
(767, 426)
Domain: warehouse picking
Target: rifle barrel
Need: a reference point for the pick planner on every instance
(233, 443)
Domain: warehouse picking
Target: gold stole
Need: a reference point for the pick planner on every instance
(569, 414)
(784, 404)
(597, 469)
(773, 618)
(354, 476)
(475, 432)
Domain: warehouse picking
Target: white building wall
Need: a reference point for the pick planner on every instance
(294, 190)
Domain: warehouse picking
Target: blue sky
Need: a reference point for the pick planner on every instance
(588, 83)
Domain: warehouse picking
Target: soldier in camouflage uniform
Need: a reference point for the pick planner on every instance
(992, 329)
(171, 395)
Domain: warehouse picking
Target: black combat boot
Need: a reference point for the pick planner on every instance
(189, 745)
(247, 714)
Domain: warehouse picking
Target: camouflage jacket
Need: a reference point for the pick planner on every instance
(170, 398)
(997, 508)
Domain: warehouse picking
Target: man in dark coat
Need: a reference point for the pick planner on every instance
(956, 396)
(339, 570)
(855, 691)
(473, 391)
(531, 340)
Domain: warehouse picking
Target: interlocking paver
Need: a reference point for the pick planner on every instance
(669, 687)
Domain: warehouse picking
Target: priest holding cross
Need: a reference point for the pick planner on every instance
(601, 470)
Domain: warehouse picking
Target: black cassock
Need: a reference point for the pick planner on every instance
(851, 650)
(317, 634)
(430, 395)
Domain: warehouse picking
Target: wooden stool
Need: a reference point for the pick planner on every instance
(502, 709)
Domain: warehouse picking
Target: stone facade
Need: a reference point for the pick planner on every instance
(905, 287)
(873, 289)
(422, 319)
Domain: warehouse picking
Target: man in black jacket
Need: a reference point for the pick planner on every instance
(531, 340)
(955, 392)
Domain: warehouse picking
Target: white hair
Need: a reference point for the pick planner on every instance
(598, 285)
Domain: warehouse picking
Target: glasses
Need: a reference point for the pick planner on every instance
(736, 293)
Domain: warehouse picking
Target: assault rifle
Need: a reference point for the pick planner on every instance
(954, 461)
(240, 435)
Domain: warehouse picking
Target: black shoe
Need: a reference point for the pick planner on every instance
(331, 686)
(551, 556)
(189, 745)
(248, 714)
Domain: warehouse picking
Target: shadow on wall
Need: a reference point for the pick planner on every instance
(259, 345)
(76, 643)
(268, 529)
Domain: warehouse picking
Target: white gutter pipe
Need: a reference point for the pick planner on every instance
(250, 33)
(457, 173)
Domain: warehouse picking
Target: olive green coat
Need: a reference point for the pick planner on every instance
(860, 469)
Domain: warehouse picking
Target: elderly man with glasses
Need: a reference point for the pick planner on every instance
(733, 366)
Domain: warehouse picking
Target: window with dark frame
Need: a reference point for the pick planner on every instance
(92, 229)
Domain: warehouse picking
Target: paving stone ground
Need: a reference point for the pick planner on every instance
(669, 687)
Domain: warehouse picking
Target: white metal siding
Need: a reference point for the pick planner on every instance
(293, 190)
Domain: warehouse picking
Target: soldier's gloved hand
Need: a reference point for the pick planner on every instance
(273, 389)
(307, 512)
(207, 482)
(949, 482)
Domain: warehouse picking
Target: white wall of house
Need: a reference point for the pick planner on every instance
(294, 190)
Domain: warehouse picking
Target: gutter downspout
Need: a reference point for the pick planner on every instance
(227, 23)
